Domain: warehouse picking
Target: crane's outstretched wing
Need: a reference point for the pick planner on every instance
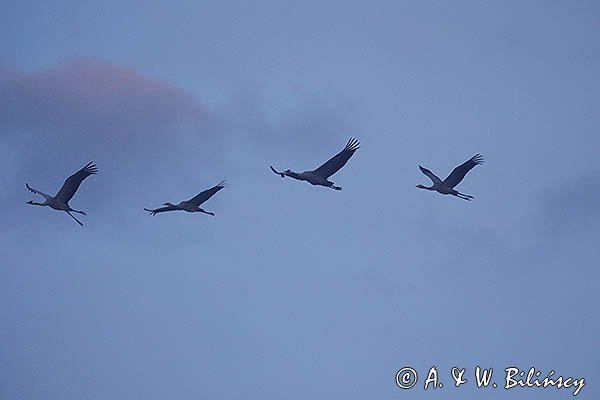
(339, 160)
(430, 175)
(459, 172)
(159, 210)
(207, 194)
(72, 183)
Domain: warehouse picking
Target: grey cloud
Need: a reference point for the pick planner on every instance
(306, 125)
(571, 204)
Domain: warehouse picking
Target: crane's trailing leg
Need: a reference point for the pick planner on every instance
(464, 197)
(76, 220)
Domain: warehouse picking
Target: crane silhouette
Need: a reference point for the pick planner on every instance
(61, 200)
(191, 205)
(320, 175)
(456, 176)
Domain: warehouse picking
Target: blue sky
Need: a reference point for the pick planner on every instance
(293, 291)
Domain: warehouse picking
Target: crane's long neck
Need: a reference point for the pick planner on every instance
(432, 187)
(173, 206)
(292, 174)
(34, 203)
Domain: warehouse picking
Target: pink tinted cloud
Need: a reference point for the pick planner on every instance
(90, 99)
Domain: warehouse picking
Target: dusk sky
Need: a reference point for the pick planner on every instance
(295, 291)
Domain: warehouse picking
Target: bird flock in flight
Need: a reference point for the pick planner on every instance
(319, 176)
